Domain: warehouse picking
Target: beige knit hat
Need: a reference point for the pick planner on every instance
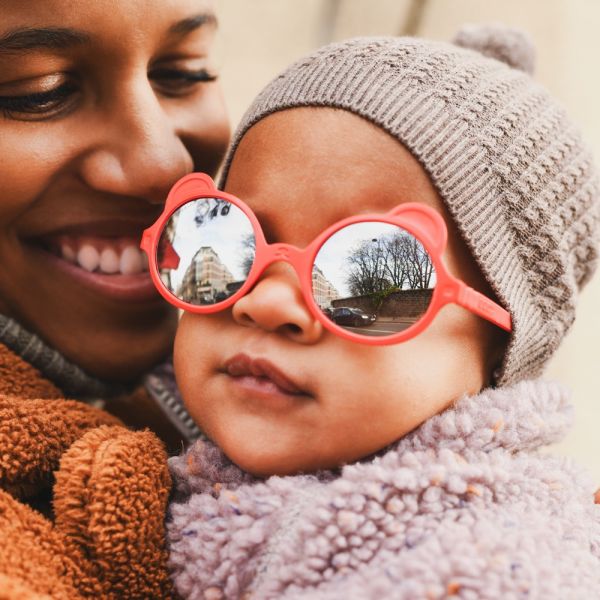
(506, 160)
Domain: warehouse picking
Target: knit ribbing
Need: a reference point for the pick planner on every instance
(504, 157)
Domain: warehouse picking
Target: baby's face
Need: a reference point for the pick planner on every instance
(300, 171)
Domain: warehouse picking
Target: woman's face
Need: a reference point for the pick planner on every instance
(103, 105)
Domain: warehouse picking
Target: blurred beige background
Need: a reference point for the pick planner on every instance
(258, 38)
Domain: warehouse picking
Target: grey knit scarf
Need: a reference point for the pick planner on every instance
(76, 383)
(70, 378)
(467, 505)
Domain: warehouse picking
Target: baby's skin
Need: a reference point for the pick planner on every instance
(300, 171)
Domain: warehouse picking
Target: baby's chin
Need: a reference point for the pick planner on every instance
(259, 458)
(267, 456)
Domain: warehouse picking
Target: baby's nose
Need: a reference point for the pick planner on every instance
(276, 304)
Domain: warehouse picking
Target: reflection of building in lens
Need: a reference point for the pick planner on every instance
(165, 246)
(323, 290)
(234, 286)
(206, 280)
(165, 277)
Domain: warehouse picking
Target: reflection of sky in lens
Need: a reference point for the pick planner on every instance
(331, 258)
(224, 233)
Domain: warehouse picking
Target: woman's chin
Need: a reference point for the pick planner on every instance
(118, 354)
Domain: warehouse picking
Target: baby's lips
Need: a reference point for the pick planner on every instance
(241, 364)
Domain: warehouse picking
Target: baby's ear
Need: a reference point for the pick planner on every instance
(426, 222)
(191, 185)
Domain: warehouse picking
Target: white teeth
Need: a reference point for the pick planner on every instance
(131, 261)
(109, 261)
(68, 253)
(88, 258)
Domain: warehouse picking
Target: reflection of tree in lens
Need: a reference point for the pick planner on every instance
(248, 244)
(209, 209)
(396, 261)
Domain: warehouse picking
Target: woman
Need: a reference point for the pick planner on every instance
(102, 109)
(103, 105)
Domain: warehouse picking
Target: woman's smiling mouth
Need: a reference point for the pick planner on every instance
(104, 257)
(110, 256)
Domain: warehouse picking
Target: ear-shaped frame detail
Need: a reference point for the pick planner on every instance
(190, 185)
(193, 184)
(428, 224)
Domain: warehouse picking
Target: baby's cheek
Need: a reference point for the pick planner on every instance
(192, 355)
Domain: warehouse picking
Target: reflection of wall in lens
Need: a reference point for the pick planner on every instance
(403, 305)
(205, 278)
(324, 292)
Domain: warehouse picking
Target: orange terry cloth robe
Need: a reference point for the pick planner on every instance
(104, 537)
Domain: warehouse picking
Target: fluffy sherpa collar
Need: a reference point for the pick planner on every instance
(234, 535)
(521, 417)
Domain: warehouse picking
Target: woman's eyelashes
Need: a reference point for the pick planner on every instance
(39, 105)
(56, 102)
(176, 82)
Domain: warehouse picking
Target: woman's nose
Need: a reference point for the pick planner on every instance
(136, 149)
(276, 304)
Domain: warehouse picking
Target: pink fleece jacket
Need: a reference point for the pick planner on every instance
(466, 506)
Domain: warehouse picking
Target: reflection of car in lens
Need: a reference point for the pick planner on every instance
(220, 296)
(344, 315)
(328, 312)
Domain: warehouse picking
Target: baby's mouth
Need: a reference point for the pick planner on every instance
(264, 373)
(107, 255)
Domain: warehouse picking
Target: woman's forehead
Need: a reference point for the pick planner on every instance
(55, 23)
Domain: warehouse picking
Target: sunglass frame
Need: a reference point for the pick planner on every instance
(421, 221)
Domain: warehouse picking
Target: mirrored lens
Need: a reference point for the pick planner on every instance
(373, 279)
(206, 251)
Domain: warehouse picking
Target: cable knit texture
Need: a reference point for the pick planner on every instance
(464, 506)
(507, 161)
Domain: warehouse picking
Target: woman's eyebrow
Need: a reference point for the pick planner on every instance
(190, 24)
(30, 39)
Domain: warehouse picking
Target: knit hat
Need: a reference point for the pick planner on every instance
(503, 155)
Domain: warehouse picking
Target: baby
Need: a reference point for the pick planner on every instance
(370, 392)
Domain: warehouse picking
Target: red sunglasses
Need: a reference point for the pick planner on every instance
(372, 278)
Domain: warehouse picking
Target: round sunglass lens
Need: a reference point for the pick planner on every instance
(206, 251)
(373, 279)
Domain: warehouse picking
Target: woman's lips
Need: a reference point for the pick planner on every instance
(113, 267)
(124, 288)
(109, 255)
(262, 375)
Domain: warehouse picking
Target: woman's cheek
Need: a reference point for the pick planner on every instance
(30, 163)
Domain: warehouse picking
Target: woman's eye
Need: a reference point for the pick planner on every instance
(39, 105)
(175, 82)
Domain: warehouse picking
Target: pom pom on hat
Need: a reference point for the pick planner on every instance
(509, 45)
